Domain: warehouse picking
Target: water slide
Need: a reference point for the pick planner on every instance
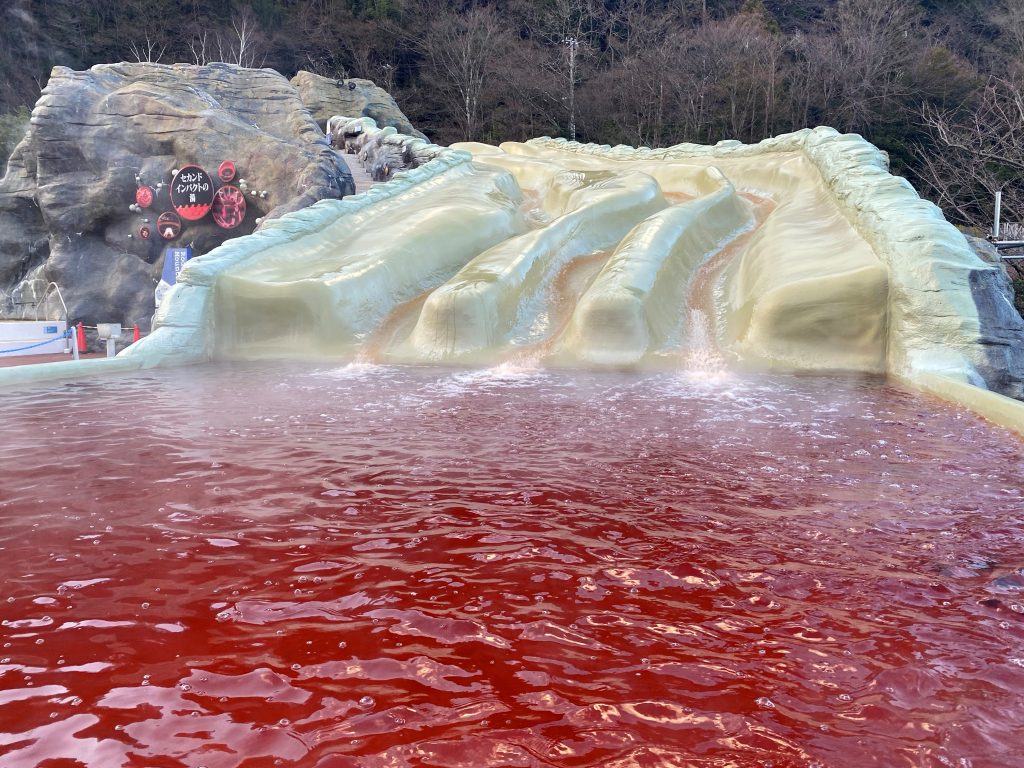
(797, 254)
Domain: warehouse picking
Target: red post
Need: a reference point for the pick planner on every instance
(135, 334)
(81, 338)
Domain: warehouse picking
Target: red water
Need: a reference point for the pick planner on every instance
(262, 566)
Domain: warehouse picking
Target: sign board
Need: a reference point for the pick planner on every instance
(228, 207)
(17, 334)
(144, 196)
(174, 260)
(192, 193)
(226, 172)
(168, 225)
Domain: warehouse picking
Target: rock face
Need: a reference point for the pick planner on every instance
(381, 151)
(97, 137)
(1002, 329)
(353, 97)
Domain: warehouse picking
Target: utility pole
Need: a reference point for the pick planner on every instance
(996, 214)
(572, 45)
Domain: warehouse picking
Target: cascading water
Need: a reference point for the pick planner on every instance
(702, 355)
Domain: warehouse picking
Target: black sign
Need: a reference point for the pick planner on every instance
(226, 172)
(168, 225)
(192, 193)
(229, 207)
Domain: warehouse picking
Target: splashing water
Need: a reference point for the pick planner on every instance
(702, 355)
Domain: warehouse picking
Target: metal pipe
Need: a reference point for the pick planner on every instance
(46, 295)
(996, 214)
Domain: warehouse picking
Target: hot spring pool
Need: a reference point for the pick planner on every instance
(262, 565)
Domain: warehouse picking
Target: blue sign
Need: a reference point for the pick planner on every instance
(50, 329)
(174, 260)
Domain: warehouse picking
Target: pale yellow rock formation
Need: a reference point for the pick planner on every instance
(472, 316)
(847, 270)
(800, 253)
(327, 296)
(634, 306)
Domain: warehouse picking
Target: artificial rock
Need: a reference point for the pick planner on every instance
(354, 97)
(96, 136)
(798, 254)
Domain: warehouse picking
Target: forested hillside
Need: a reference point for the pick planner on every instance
(934, 82)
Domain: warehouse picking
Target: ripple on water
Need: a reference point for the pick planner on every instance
(380, 566)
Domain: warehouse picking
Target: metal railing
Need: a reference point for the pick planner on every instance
(46, 295)
(40, 302)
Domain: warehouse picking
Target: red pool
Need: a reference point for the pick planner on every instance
(249, 566)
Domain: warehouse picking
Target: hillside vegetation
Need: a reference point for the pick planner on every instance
(936, 83)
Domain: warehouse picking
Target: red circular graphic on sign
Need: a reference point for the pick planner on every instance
(192, 193)
(226, 172)
(168, 225)
(144, 196)
(144, 232)
(228, 207)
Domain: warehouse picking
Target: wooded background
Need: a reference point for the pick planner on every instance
(939, 84)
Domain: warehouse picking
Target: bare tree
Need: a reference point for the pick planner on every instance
(246, 33)
(524, 107)
(197, 46)
(147, 51)
(243, 44)
(721, 80)
(980, 149)
(464, 51)
(634, 27)
(874, 53)
(630, 92)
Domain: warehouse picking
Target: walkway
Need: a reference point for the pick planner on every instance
(359, 176)
(9, 361)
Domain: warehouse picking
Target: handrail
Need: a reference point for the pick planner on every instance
(46, 293)
(37, 302)
(1007, 244)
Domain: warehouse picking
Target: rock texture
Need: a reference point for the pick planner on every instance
(1002, 328)
(382, 152)
(95, 136)
(326, 97)
(800, 253)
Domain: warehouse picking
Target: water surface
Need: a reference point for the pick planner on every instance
(260, 565)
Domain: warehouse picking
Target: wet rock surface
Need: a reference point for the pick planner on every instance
(354, 97)
(97, 136)
(1002, 328)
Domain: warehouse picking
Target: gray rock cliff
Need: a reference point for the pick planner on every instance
(97, 136)
(1002, 328)
(354, 97)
